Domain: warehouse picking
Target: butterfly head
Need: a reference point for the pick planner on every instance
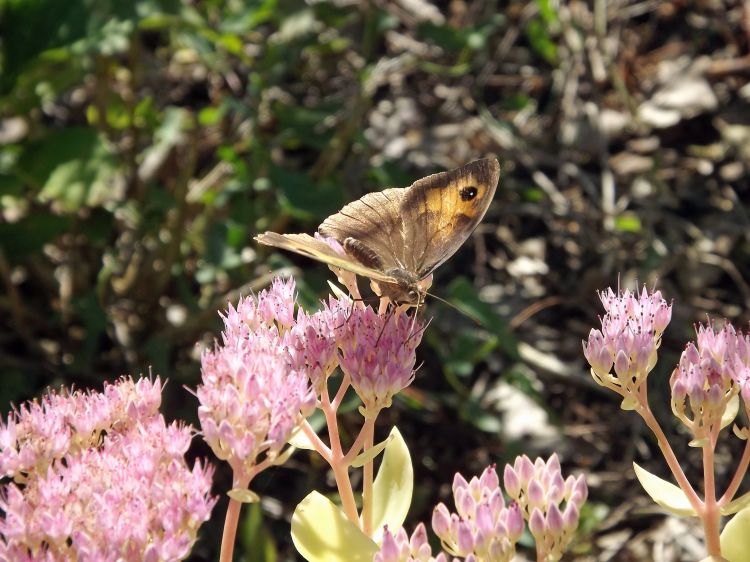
(408, 289)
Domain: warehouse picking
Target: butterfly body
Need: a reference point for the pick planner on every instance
(398, 236)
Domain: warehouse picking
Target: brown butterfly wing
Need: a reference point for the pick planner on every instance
(371, 229)
(439, 212)
(317, 249)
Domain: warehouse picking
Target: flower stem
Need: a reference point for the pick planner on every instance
(710, 513)
(316, 441)
(337, 461)
(666, 450)
(738, 476)
(367, 477)
(230, 523)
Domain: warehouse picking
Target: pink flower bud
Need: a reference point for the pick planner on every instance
(570, 517)
(465, 542)
(536, 524)
(554, 520)
(514, 522)
(441, 520)
(511, 482)
(536, 494)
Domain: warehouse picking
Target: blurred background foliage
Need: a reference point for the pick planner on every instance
(144, 143)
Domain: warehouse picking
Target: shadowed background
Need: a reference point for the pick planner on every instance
(144, 143)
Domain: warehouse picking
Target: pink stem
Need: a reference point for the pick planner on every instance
(231, 521)
(738, 476)
(339, 467)
(340, 392)
(669, 456)
(367, 478)
(358, 444)
(710, 513)
(317, 442)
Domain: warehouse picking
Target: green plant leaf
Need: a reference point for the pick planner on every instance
(664, 493)
(243, 495)
(393, 486)
(300, 440)
(735, 538)
(733, 407)
(72, 167)
(736, 505)
(322, 533)
(368, 455)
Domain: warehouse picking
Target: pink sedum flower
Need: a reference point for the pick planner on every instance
(708, 376)
(628, 340)
(255, 393)
(399, 547)
(540, 491)
(378, 354)
(121, 491)
(483, 527)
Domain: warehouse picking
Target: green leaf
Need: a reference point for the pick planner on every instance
(322, 533)
(256, 539)
(368, 455)
(243, 495)
(735, 538)
(628, 222)
(393, 486)
(731, 411)
(28, 235)
(737, 504)
(463, 295)
(540, 41)
(300, 440)
(304, 198)
(72, 167)
(664, 493)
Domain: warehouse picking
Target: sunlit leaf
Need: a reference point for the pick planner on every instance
(737, 504)
(322, 533)
(243, 495)
(393, 486)
(664, 493)
(731, 411)
(300, 440)
(735, 538)
(368, 455)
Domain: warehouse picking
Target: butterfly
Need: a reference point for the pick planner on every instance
(398, 236)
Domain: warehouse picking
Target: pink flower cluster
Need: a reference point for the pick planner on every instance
(100, 477)
(253, 395)
(378, 352)
(264, 378)
(629, 338)
(539, 490)
(709, 375)
(486, 528)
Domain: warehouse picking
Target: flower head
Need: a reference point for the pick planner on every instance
(628, 340)
(483, 527)
(254, 394)
(120, 492)
(399, 547)
(540, 490)
(706, 378)
(378, 354)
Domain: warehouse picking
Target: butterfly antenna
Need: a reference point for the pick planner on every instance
(470, 315)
